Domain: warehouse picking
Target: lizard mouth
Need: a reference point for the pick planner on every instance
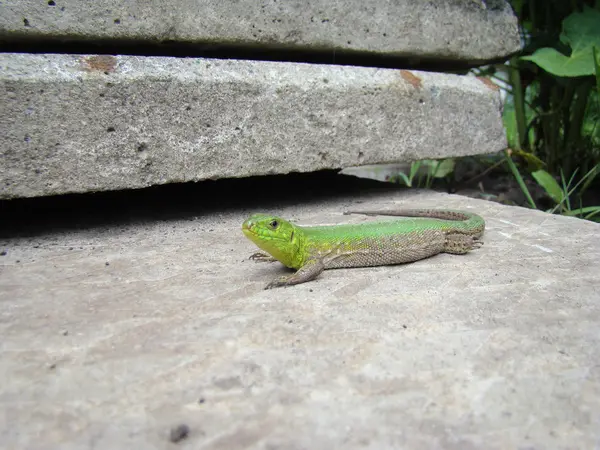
(248, 231)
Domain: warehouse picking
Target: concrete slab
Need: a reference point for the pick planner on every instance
(443, 29)
(112, 335)
(91, 123)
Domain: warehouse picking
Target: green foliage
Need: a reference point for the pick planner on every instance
(549, 184)
(552, 116)
(568, 188)
(597, 67)
(561, 193)
(581, 33)
(511, 124)
(515, 171)
(552, 107)
(423, 173)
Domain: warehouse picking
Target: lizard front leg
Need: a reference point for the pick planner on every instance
(262, 257)
(307, 272)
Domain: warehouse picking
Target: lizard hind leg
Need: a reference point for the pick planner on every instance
(459, 244)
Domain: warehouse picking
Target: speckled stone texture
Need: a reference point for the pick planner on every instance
(113, 335)
(467, 30)
(92, 123)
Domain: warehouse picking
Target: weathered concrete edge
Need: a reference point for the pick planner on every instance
(74, 123)
(446, 29)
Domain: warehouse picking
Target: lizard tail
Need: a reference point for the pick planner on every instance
(443, 214)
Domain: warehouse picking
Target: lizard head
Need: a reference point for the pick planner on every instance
(274, 235)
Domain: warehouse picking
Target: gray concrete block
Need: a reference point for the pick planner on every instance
(492, 350)
(93, 123)
(473, 30)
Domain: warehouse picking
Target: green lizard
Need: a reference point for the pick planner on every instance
(312, 249)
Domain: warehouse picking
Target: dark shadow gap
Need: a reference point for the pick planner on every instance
(34, 216)
(224, 51)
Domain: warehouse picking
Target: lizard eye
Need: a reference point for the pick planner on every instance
(274, 224)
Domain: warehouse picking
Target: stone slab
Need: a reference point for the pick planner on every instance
(73, 123)
(476, 30)
(113, 334)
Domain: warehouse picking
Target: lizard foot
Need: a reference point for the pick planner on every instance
(459, 244)
(279, 282)
(307, 272)
(477, 243)
(262, 257)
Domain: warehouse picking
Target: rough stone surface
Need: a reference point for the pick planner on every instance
(114, 336)
(472, 30)
(92, 123)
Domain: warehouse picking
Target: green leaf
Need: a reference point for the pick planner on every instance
(519, 178)
(585, 210)
(510, 124)
(414, 169)
(581, 32)
(549, 184)
(439, 168)
(404, 178)
(588, 212)
(589, 178)
(597, 66)
(444, 168)
(593, 214)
